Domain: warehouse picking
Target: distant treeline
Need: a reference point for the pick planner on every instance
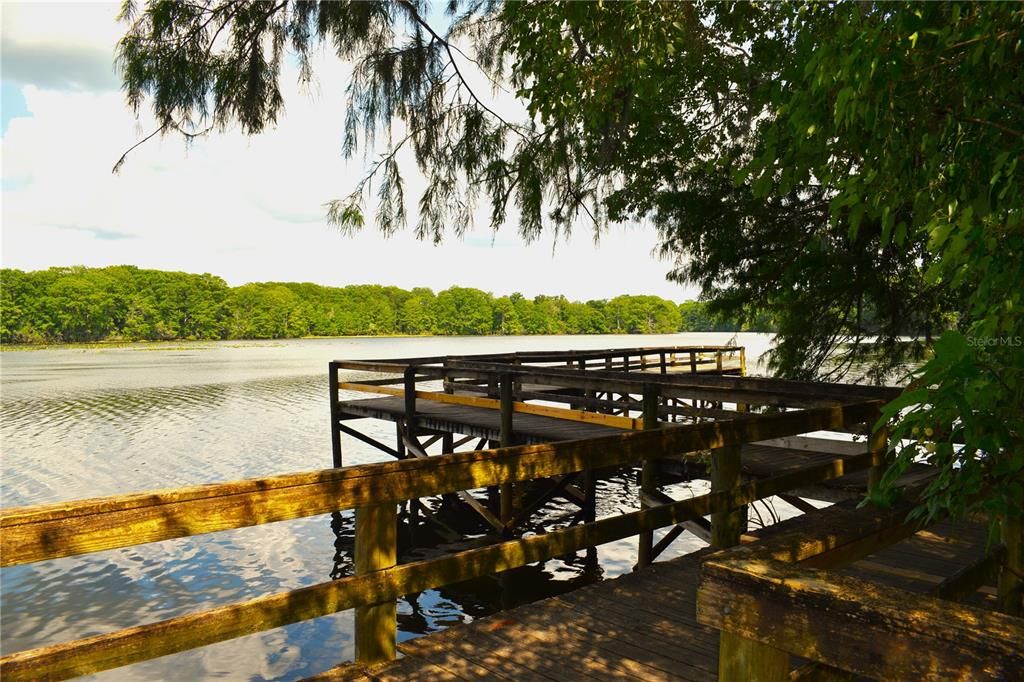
(127, 303)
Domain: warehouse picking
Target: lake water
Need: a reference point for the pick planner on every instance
(79, 423)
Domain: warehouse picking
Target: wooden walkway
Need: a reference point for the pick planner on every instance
(641, 626)
(758, 461)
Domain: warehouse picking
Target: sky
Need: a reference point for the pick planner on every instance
(244, 208)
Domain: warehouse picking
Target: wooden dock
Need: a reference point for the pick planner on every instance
(644, 625)
(835, 593)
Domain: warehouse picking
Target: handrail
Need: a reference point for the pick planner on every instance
(101, 652)
(38, 533)
(770, 603)
(554, 356)
(29, 534)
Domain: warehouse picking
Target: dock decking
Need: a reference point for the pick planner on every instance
(640, 626)
(475, 421)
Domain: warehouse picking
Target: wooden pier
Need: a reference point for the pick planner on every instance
(618, 630)
(532, 398)
(817, 597)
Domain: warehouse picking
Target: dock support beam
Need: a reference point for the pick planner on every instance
(506, 440)
(1010, 594)
(376, 548)
(726, 527)
(648, 473)
(878, 446)
(332, 374)
(410, 403)
(590, 510)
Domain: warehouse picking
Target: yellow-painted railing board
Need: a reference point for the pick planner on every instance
(492, 404)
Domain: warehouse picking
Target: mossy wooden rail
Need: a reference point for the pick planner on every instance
(46, 532)
(779, 598)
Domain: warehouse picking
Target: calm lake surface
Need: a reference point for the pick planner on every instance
(78, 423)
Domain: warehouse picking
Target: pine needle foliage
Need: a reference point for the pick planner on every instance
(851, 169)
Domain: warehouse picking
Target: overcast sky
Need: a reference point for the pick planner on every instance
(247, 209)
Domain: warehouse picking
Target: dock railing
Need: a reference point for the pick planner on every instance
(778, 598)
(374, 491)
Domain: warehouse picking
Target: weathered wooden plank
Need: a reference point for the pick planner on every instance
(827, 445)
(533, 642)
(968, 579)
(343, 673)
(698, 527)
(858, 626)
(668, 640)
(511, 652)
(466, 643)
(30, 534)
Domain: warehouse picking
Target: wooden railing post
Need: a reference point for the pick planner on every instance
(590, 509)
(718, 361)
(648, 473)
(744, 660)
(878, 446)
(376, 626)
(726, 527)
(1010, 594)
(332, 380)
(506, 490)
(693, 362)
(410, 402)
(743, 361)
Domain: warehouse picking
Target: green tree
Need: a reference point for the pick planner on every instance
(264, 311)
(850, 169)
(584, 318)
(463, 311)
(417, 313)
(642, 315)
(506, 318)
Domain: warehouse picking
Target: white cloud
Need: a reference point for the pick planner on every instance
(248, 209)
(60, 45)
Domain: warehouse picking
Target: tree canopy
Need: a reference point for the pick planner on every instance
(850, 168)
(125, 303)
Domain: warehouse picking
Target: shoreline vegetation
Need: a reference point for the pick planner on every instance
(122, 304)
